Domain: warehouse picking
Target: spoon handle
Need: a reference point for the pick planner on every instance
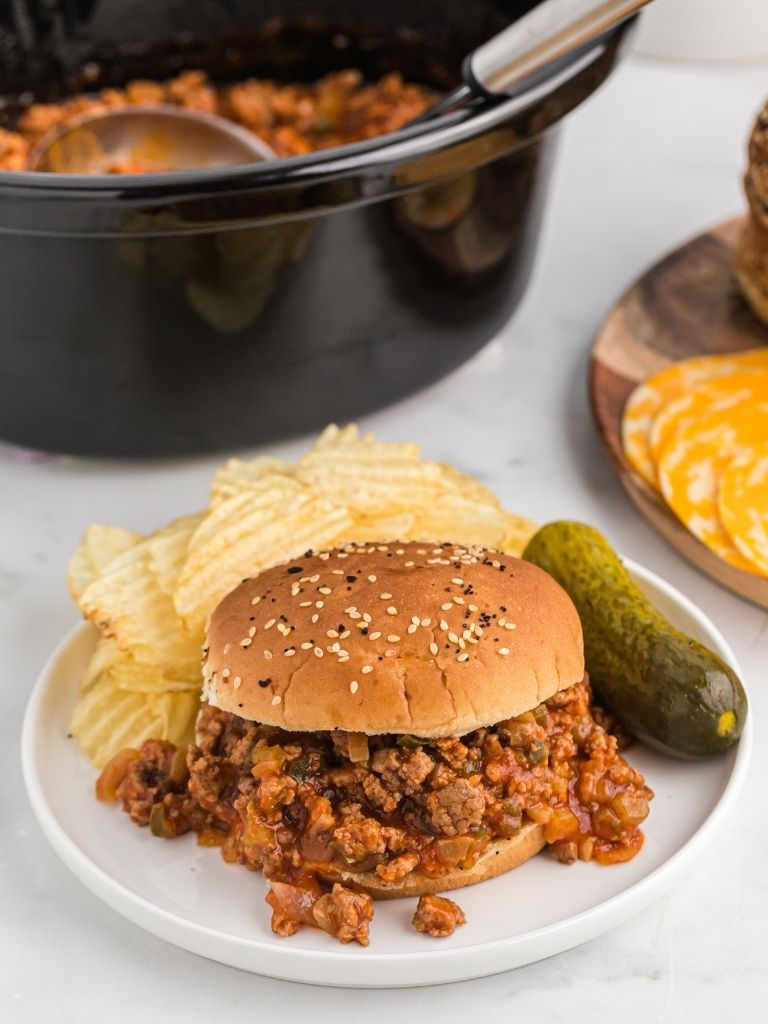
(546, 34)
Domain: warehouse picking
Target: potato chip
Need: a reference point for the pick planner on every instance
(103, 657)
(368, 476)
(128, 603)
(517, 532)
(237, 475)
(242, 535)
(98, 546)
(691, 465)
(106, 720)
(742, 500)
(648, 398)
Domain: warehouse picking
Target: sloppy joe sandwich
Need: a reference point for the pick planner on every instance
(390, 720)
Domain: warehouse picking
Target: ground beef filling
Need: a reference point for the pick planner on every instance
(291, 118)
(304, 806)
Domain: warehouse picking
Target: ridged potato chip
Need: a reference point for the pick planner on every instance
(237, 475)
(650, 397)
(742, 499)
(107, 719)
(128, 603)
(244, 534)
(692, 463)
(98, 546)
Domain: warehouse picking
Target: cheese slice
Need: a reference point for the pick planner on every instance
(673, 382)
(742, 499)
(693, 460)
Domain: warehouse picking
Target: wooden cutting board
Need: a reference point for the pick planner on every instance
(685, 305)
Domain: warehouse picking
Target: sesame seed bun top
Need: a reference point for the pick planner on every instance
(405, 637)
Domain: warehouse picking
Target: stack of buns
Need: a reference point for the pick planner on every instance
(751, 255)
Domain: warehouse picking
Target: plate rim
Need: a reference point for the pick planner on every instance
(577, 927)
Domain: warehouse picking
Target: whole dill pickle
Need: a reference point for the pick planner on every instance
(666, 688)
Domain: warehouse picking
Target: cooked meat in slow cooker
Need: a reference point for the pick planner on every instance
(291, 118)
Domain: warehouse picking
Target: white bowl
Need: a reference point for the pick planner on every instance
(190, 897)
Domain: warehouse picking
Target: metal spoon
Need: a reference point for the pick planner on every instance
(549, 34)
(146, 138)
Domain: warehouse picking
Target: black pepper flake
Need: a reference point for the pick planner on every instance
(351, 579)
(294, 569)
(341, 627)
(239, 705)
(503, 607)
(283, 618)
(364, 631)
(308, 553)
(263, 683)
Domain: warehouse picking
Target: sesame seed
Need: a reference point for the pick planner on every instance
(453, 638)
(366, 617)
(268, 655)
(314, 579)
(306, 647)
(344, 634)
(227, 648)
(502, 622)
(462, 642)
(472, 607)
(426, 622)
(462, 657)
(372, 579)
(331, 633)
(315, 617)
(289, 652)
(319, 652)
(458, 600)
(458, 581)
(246, 642)
(269, 624)
(412, 628)
(305, 604)
(385, 596)
(255, 600)
(352, 608)
(393, 638)
(443, 624)
(409, 565)
(510, 625)
(389, 652)
(503, 650)
(337, 572)
(366, 669)
(447, 606)
(324, 590)
(354, 615)
(353, 686)
(374, 636)
(433, 648)
(319, 604)
(324, 556)
(478, 631)
(415, 620)
(333, 648)
(236, 682)
(225, 673)
(277, 699)
(391, 610)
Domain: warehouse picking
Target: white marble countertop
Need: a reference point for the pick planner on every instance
(654, 157)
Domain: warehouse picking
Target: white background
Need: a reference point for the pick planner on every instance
(654, 157)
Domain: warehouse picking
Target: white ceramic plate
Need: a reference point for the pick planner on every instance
(190, 897)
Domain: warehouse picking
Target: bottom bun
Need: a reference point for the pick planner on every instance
(502, 855)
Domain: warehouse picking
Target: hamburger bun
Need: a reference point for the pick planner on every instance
(502, 855)
(407, 637)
